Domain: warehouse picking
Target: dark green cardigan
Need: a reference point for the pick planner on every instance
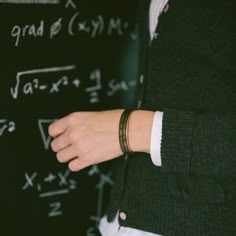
(191, 77)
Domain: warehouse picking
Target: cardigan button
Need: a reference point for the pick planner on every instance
(123, 216)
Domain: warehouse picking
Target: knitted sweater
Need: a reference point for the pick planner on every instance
(191, 77)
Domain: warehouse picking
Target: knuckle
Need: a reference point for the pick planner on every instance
(84, 153)
(83, 144)
(72, 117)
(90, 158)
(87, 160)
(72, 135)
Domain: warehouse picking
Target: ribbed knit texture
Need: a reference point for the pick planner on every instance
(192, 78)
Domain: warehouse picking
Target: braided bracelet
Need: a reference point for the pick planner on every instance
(123, 131)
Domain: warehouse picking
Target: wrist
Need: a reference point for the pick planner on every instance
(140, 127)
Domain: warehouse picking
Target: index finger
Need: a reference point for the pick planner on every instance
(57, 127)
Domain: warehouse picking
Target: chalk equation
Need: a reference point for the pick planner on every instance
(56, 184)
(68, 4)
(29, 88)
(99, 26)
(37, 2)
(53, 184)
(7, 126)
(53, 80)
(73, 26)
(115, 86)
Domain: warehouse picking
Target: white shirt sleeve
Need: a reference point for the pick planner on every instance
(156, 8)
(156, 138)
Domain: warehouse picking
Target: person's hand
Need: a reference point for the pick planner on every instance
(86, 138)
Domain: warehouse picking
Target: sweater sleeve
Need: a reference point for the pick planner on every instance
(200, 143)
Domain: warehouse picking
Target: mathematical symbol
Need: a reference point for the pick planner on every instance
(50, 178)
(55, 209)
(29, 181)
(94, 97)
(103, 180)
(70, 3)
(39, 187)
(63, 178)
(54, 193)
(3, 121)
(96, 76)
(55, 28)
(82, 27)
(3, 127)
(76, 83)
(43, 128)
(55, 87)
(64, 80)
(94, 170)
(43, 87)
(73, 184)
(12, 126)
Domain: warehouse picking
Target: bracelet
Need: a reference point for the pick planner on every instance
(123, 131)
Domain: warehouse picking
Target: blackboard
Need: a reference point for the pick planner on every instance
(58, 57)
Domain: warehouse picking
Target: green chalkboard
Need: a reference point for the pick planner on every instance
(58, 57)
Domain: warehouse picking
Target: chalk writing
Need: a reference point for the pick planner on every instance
(73, 25)
(32, 30)
(51, 185)
(33, 181)
(43, 128)
(93, 90)
(55, 209)
(39, 82)
(7, 126)
(30, 1)
(56, 27)
(117, 86)
(59, 183)
(98, 26)
(30, 87)
(70, 4)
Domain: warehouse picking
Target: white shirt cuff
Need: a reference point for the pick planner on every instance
(156, 138)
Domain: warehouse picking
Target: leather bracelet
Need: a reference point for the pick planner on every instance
(123, 131)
